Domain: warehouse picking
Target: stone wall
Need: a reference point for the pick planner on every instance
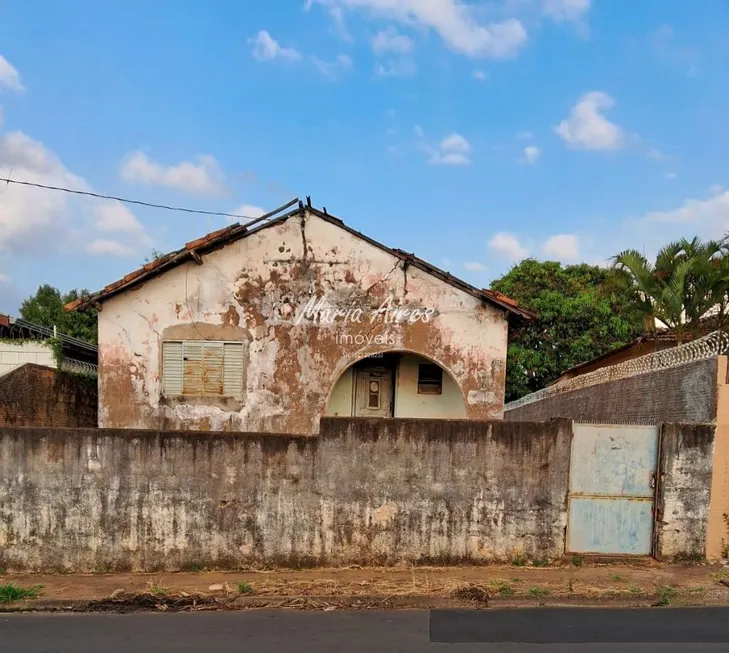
(685, 393)
(35, 395)
(363, 492)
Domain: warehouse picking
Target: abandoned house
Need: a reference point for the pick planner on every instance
(270, 325)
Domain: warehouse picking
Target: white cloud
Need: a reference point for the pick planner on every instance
(480, 75)
(716, 189)
(391, 41)
(670, 175)
(4, 278)
(249, 211)
(561, 11)
(117, 217)
(524, 136)
(32, 220)
(9, 76)
(474, 266)
(114, 217)
(562, 247)
(246, 212)
(266, 48)
(507, 246)
(333, 69)
(403, 67)
(202, 178)
(399, 47)
(456, 22)
(452, 150)
(340, 26)
(531, 154)
(655, 154)
(104, 247)
(588, 128)
(713, 212)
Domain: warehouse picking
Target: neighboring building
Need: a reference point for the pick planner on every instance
(269, 327)
(648, 343)
(23, 342)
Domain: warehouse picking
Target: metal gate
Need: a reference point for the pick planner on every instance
(612, 489)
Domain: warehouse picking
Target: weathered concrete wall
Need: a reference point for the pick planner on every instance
(685, 469)
(685, 393)
(251, 291)
(364, 491)
(34, 395)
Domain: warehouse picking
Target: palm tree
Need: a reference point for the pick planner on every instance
(688, 280)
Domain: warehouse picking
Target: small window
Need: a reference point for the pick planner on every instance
(202, 368)
(430, 379)
(373, 397)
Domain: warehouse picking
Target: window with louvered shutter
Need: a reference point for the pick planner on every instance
(202, 368)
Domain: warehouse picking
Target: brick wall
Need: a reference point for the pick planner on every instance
(34, 395)
(685, 393)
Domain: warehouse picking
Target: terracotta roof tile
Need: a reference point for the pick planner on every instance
(235, 231)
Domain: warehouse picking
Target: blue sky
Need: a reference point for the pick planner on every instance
(471, 133)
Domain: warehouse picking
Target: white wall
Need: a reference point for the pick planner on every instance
(408, 403)
(341, 401)
(15, 354)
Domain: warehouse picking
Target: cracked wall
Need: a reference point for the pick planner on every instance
(252, 291)
(365, 491)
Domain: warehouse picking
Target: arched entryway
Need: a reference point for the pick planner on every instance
(396, 384)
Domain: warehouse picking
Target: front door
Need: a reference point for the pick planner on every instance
(374, 391)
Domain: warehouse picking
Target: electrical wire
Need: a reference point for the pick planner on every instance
(74, 191)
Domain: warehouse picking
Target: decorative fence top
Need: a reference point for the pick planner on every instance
(715, 344)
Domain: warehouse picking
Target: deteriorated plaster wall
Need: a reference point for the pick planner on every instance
(365, 491)
(251, 291)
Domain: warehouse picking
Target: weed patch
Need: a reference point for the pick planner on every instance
(11, 592)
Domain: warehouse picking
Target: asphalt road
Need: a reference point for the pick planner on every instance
(502, 631)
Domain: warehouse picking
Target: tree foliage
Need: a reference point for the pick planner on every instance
(46, 308)
(582, 310)
(688, 281)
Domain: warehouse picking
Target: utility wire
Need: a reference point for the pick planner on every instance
(7, 180)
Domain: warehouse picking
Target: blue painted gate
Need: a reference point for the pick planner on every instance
(612, 489)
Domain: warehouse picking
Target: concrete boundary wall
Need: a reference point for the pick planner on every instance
(365, 491)
(684, 393)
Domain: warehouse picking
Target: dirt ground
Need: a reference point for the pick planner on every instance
(590, 580)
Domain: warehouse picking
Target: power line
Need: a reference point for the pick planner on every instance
(74, 191)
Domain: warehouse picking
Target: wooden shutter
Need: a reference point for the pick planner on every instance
(233, 369)
(172, 368)
(212, 369)
(202, 368)
(192, 383)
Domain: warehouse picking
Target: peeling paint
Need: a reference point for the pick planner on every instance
(251, 290)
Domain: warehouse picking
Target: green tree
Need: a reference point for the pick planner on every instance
(46, 307)
(687, 282)
(582, 311)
